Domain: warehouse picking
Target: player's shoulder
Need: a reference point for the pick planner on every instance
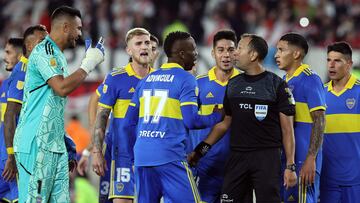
(326, 85)
(202, 76)
(116, 72)
(357, 83)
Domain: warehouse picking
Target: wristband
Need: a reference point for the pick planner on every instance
(291, 167)
(10, 150)
(86, 152)
(202, 148)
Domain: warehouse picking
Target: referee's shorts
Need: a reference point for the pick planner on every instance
(259, 170)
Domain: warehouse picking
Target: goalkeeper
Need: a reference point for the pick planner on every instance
(40, 151)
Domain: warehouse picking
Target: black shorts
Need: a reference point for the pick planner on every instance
(258, 170)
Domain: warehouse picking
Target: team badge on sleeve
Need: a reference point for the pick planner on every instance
(350, 103)
(20, 85)
(105, 87)
(260, 111)
(53, 62)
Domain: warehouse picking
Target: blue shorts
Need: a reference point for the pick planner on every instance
(301, 192)
(172, 181)
(336, 193)
(104, 188)
(8, 190)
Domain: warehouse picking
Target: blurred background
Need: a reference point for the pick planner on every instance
(320, 21)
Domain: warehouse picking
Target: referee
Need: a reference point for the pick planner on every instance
(259, 110)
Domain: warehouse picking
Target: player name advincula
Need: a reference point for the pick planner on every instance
(149, 133)
(160, 78)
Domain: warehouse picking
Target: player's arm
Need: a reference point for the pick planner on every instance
(64, 86)
(92, 108)
(11, 113)
(308, 170)
(98, 139)
(288, 141)
(193, 120)
(315, 97)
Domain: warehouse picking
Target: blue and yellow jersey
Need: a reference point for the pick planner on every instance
(309, 95)
(115, 94)
(16, 86)
(3, 99)
(161, 133)
(211, 92)
(341, 146)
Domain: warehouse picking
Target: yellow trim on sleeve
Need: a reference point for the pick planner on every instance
(14, 100)
(188, 103)
(97, 92)
(104, 105)
(318, 108)
(208, 109)
(342, 123)
(132, 104)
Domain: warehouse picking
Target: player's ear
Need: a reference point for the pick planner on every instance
(297, 54)
(213, 53)
(128, 51)
(65, 27)
(253, 55)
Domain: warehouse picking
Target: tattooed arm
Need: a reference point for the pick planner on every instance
(102, 116)
(307, 172)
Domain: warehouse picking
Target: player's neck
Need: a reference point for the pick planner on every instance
(256, 69)
(223, 75)
(339, 85)
(291, 70)
(141, 70)
(59, 41)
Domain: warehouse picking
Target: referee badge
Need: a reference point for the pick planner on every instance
(260, 111)
(20, 85)
(350, 103)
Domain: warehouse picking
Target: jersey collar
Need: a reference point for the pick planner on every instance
(170, 65)
(298, 71)
(212, 76)
(48, 38)
(23, 59)
(130, 71)
(349, 85)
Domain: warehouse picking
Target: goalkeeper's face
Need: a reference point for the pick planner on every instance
(139, 48)
(74, 32)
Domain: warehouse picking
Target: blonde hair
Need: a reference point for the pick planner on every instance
(135, 32)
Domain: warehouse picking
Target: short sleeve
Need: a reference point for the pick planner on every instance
(285, 99)
(47, 65)
(16, 86)
(189, 91)
(108, 92)
(314, 93)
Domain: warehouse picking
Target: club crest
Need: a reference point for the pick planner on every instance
(350, 103)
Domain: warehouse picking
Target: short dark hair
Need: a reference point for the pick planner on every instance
(154, 39)
(65, 11)
(171, 38)
(16, 42)
(257, 44)
(341, 47)
(296, 40)
(225, 34)
(30, 30)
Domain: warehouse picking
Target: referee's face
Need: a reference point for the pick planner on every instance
(224, 53)
(243, 54)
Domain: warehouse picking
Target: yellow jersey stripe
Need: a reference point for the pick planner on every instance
(121, 196)
(188, 103)
(14, 100)
(171, 107)
(112, 174)
(98, 93)
(3, 109)
(120, 108)
(208, 109)
(342, 123)
(302, 113)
